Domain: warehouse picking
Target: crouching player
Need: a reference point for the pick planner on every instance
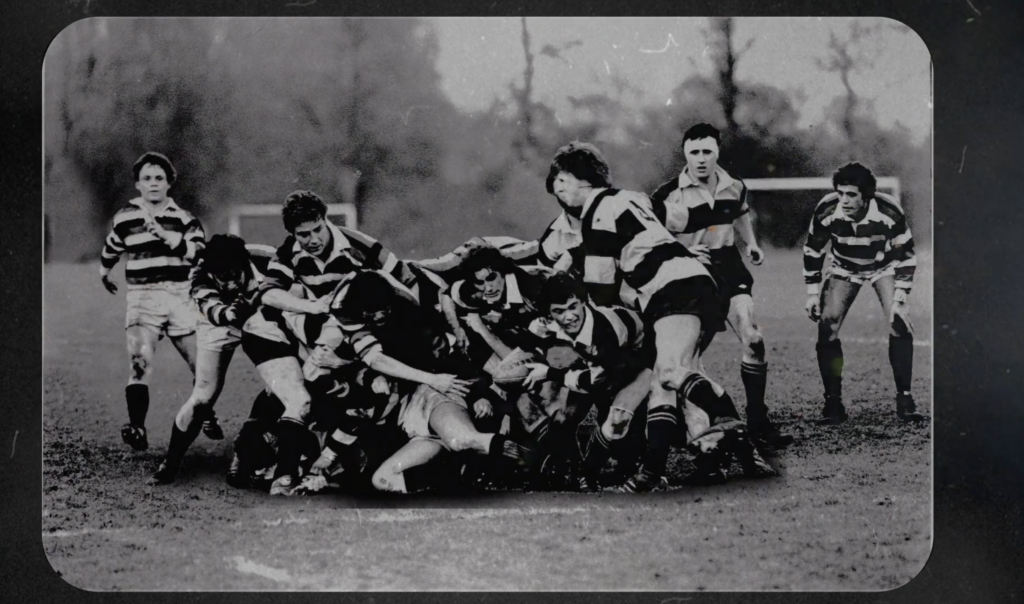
(613, 372)
(871, 245)
(624, 242)
(396, 336)
(225, 284)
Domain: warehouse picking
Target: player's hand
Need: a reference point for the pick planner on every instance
(231, 315)
(482, 408)
(538, 373)
(813, 307)
(472, 244)
(899, 297)
(755, 254)
(701, 252)
(322, 356)
(320, 306)
(109, 283)
(380, 385)
(323, 463)
(462, 341)
(312, 483)
(446, 383)
(170, 238)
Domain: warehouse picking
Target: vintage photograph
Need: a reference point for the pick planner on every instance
(487, 304)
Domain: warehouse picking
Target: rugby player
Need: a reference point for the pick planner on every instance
(871, 245)
(289, 329)
(614, 368)
(161, 241)
(705, 206)
(396, 335)
(624, 242)
(225, 283)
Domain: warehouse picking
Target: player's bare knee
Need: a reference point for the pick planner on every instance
(615, 429)
(139, 364)
(670, 375)
(384, 479)
(754, 343)
(460, 443)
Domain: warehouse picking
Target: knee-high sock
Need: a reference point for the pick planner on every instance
(755, 381)
(698, 390)
(137, 397)
(830, 364)
(901, 357)
(182, 440)
(597, 454)
(291, 439)
(662, 423)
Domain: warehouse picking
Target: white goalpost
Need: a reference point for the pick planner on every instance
(887, 184)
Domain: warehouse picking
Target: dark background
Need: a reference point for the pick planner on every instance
(978, 51)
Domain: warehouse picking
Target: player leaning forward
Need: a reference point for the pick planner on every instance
(871, 245)
(161, 241)
(622, 239)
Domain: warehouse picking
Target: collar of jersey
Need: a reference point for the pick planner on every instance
(142, 205)
(590, 200)
(561, 224)
(724, 180)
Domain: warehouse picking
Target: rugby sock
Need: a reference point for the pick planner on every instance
(698, 390)
(291, 436)
(901, 357)
(830, 364)
(181, 441)
(137, 397)
(661, 428)
(755, 381)
(597, 454)
(419, 478)
(266, 405)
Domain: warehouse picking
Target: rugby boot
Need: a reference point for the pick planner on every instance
(765, 433)
(135, 437)
(238, 475)
(834, 412)
(284, 486)
(165, 473)
(212, 429)
(644, 482)
(709, 468)
(754, 465)
(906, 409)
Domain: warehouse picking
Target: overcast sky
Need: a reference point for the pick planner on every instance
(480, 57)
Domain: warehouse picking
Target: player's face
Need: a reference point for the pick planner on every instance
(701, 157)
(153, 183)
(489, 285)
(571, 191)
(376, 318)
(569, 316)
(851, 201)
(230, 283)
(313, 237)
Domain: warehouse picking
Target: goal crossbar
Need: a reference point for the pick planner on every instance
(237, 212)
(890, 183)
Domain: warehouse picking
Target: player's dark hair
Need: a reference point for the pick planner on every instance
(226, 254)
(582, 160)
(700, 131)
(483, 257)
(369, 292)
(301, 207)
(157, 159)
(856, 175)
(559, 289)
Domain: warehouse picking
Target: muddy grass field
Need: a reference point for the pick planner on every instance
(851, 511)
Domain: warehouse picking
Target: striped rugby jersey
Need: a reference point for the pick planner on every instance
(611, 347)
(878, 241)
(150, 261)
(625, 244)
(520, 252)
(415, 334)
(214, 305)
(694, 215)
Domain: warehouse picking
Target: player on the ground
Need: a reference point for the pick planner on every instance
(625, 243)
(396, 335)
(289, 329)
(613, 371)
(161, 241)
(225, 285)
(871, 245)
(705, 206)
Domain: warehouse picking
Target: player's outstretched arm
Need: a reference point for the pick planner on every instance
(443, 383)
(452, 317)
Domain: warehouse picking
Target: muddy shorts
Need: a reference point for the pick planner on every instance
(166, 309)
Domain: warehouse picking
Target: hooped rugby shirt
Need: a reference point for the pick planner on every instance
(149, 260)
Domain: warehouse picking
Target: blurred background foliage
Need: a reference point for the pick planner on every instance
(354, 110)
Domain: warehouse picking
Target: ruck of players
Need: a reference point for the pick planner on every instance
(570, 362)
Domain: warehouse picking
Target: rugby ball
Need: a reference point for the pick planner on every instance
(513, 369)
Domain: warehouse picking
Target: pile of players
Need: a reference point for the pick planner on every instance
(479, 367)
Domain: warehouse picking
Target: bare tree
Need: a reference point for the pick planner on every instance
(845, 58)
(726, 57)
